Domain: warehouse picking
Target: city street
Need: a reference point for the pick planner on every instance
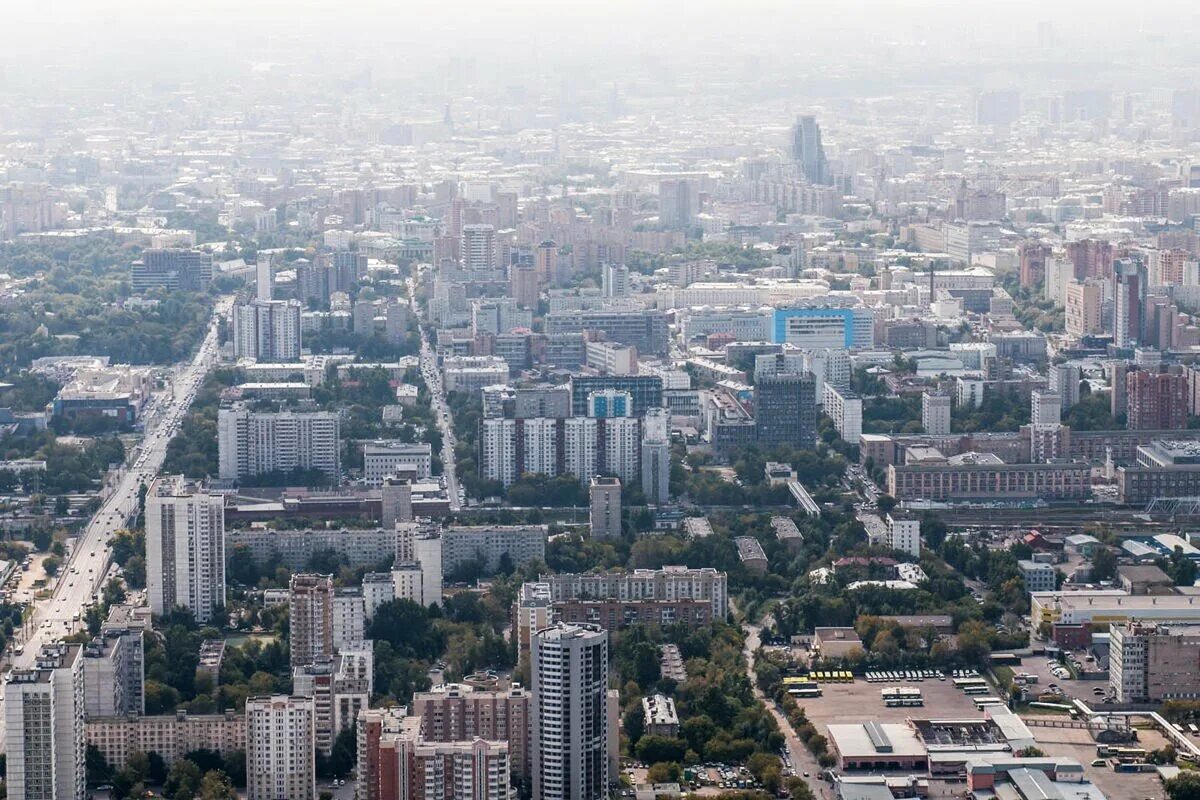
(433, 382)
(83, 573)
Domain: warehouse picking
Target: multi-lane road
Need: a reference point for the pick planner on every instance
(445, 423)
(82, 574)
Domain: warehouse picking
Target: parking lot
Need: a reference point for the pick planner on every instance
(860, 701)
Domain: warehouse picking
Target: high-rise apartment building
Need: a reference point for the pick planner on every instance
(656, 457)
(523, 285)
(185, 547)
(281, 748)
(264, 278)
(935, 413)
(1156, 401)
(1092, 258)
(1045, 408)
(253, 443)
(267, 330)
(785, 410)
(1083, 306)
(569, 666)
(605, 498)
(678, 202)
(1063, 380)
(808, 152)
(113, 664)
(419, 569)
(478, 247)
(614, 280)
(580, 446)
(1033, 257)
(310, 603)
(904, 535)
(458, 712)
(44, 727)
(1129, 287)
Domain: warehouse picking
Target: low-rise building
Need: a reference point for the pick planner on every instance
(660, 716)
(751, 554)
(1038, 576)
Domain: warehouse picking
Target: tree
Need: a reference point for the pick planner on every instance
(345, 753)
(216, 786)
(635, 724)
(663, 772)
(183, 780)
(652, 749)
(1104, 564)
(1184, 786)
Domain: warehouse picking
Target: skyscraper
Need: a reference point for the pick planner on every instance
(678, 202)
(808, 152)
(310, 603)
(604, 495)
(569, 666)
(785, 410)
(185, 547)
(264, 278)
(280, 748)
(1127, 302)
(44, 727)
(614, 280)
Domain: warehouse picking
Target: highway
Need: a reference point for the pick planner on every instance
(83, 572)
(437, 395)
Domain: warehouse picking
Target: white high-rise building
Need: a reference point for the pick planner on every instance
(935, 413)
(417, 575)
(44, 727)
(349, 617)
(615, 280)
(185, 547)
(569, 666)
(264, 278)
(656, 457)
(1045, 408)
(251, 442)
(581, 446)
(1064, 381)
(904, 535)
(845, 408)
(281, 748)
(478, 247)
(267, 330)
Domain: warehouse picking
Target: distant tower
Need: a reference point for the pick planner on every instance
(807, 151)
(605, 517)
(264, 285)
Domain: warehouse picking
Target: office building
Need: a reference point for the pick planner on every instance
(44, 726)
(171, 270)
(1156, 400)
(386, 459)
(935, 413)
(807, 151)
(267, 330)
(656, 457)
(1129, 287)
(253, 443)
(569, 666)
(644, 329)
(837, 328)
(310, 605)
(646, 391)
(986, 476)
(785, 410)
(1083, 308)
(281, 748)
(605, 499)
(610, 403)
(1163, 468)
(472, 373)
(185, 548)
(904, 535)
(611, 359)
(1153, 663)
(1038, 575)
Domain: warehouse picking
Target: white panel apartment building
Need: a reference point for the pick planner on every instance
(462, 544)
(382, 460)
(44, 727)
(845, 409)
(185, 547)
(267, 330)
(668, 584)
(252, 443)
(589, 446)
(281, 748)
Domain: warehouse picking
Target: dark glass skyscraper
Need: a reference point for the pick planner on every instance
(807, 151)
